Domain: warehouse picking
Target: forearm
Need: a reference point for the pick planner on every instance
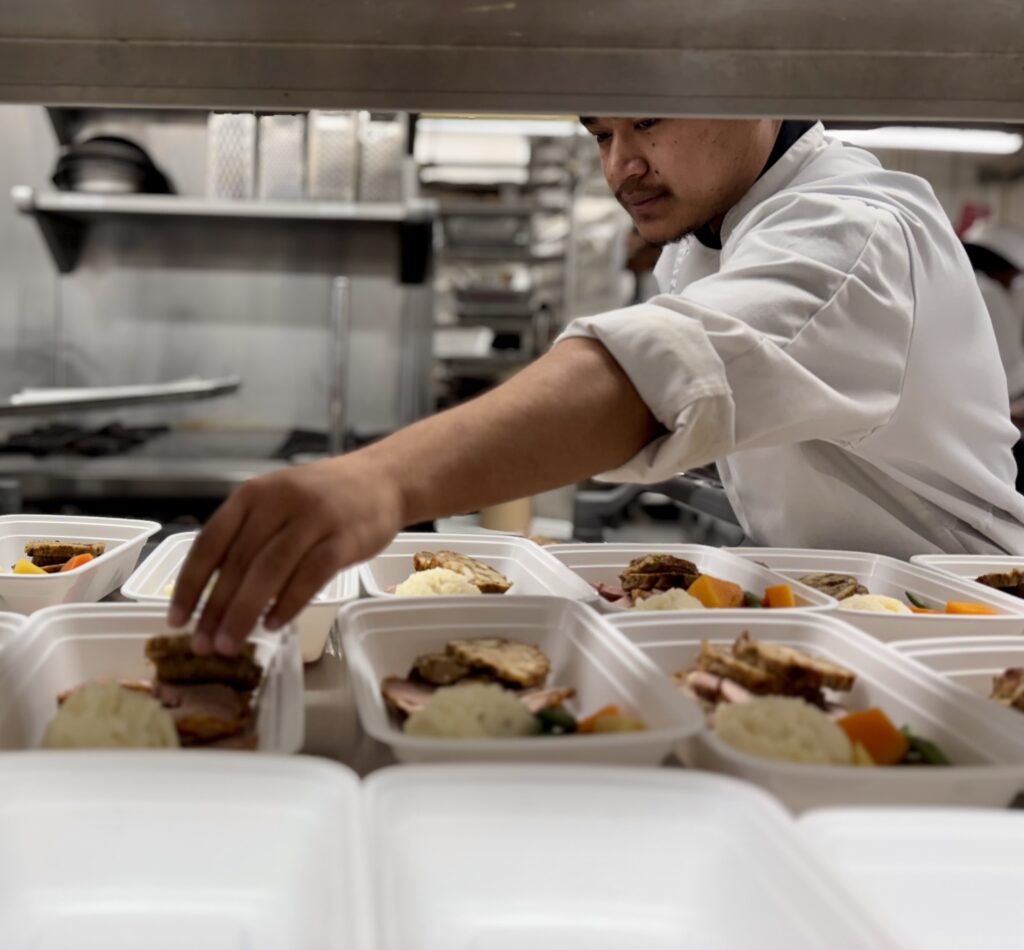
(571, 414)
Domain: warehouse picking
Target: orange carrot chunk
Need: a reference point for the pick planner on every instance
(968, 607)
(587, 725)
(874, 730)
(713, 592)
(779, 596)
(923, 610)
(77, 561)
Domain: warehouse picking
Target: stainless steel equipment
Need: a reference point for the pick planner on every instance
(849, 58)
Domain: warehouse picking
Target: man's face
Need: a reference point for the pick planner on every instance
(675, 175)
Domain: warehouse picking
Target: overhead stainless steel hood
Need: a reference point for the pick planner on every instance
(910, 59)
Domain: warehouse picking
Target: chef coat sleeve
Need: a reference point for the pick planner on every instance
(802, 334)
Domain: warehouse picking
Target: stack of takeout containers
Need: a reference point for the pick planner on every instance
(217, 850)
(154, 581)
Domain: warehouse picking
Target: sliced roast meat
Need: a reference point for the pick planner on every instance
(537, 699)
(610, 592)
(205, 712)
(438, 669)
(839, 586)
(405, 696)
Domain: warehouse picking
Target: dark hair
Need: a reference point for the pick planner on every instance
(988, 262)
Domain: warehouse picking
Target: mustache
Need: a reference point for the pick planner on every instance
(634, 194)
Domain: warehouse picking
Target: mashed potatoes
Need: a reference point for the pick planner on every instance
(109, 716)
(473, 711)
(783, 728)
(674, 599)
(435, 582)
(875, 602)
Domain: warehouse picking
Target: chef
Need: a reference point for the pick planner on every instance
(819, 334)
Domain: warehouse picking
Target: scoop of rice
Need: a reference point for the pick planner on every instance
(435, 582)
(783, 728)
(109, 716)
(473, 711)
(876, 602)
(673, 599)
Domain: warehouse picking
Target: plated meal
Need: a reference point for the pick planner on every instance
(666, 582)
(491, 688)
(777, 702)
(1008, 688)
(56, 557)
(439, 573)
(852, 595)
(192, 700)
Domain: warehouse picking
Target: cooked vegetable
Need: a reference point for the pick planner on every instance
(618, 724)
(874, 730)
(556, 721)
(751, 600)
(968, 607)
(712, 592)
(918, 602)
(924, 610)
(77, 561)
(587, 725)
(922, 751)
(27, 567)
(779, 596)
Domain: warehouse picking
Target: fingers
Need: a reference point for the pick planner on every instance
(204, 557)
(319, 565)
(265, 553)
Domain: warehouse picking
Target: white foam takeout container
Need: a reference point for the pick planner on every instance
(382, 638)
(532, 570)
(986, 749)
(150, 583)
(969, 663)
(550, 857)
(63, 647)
(967, 567)
(602, 564)
(937, 879)
(25, 593)
(204, 850)
(893, 578)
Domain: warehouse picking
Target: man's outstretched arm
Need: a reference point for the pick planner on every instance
(279, 538)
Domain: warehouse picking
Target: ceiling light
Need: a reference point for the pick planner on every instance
(933, 139)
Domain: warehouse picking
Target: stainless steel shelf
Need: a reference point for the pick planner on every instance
(145, 396)
(65, 217)
(499, 255)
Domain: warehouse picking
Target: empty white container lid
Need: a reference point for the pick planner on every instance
(938, 879)
(195, 851)
(556, 857)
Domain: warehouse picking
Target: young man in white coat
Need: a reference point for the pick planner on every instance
(819, 335)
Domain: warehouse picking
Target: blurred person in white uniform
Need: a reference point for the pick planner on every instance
(819, 334)
(996, 253)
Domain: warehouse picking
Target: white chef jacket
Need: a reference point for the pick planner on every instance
(1008, 324)
(837, 361)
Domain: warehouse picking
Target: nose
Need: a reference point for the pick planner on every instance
(623, 161)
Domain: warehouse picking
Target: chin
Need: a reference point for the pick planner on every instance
(661, 234)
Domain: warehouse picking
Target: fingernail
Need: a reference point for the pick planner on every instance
(176, 617)
(201, 643)
(224, 644)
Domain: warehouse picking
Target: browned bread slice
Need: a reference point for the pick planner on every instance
(793, 669)
(721, 662)
(658, 572)
(483, 576)
(175, 662)
(54, 552)
(510, 661)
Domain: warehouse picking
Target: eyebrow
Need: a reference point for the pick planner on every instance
(588, 120)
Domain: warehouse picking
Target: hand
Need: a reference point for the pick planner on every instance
(278, 540)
